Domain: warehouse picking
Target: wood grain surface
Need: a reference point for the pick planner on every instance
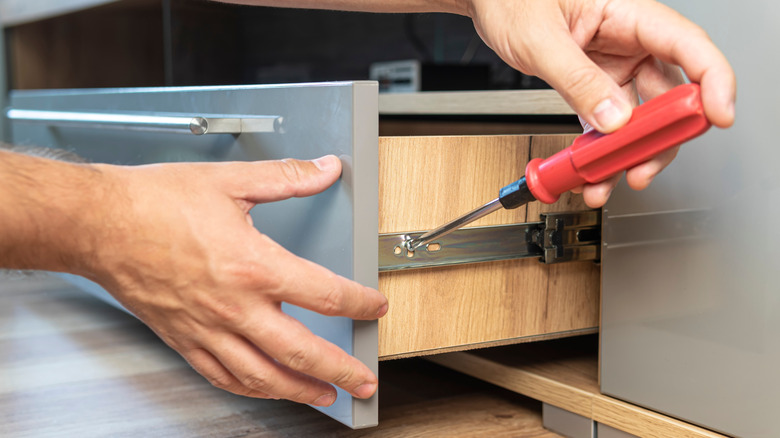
(73, 366)
(426, 181)
(573, 289)
(562, 376)
(564, 373)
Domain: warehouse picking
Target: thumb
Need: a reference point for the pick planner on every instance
(588, 89)
(268, 181)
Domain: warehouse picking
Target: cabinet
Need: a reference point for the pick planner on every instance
(389, 186)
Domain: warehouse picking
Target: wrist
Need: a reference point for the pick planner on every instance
(101, 224)
(52, 213)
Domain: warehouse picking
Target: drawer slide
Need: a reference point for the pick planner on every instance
(558, 237)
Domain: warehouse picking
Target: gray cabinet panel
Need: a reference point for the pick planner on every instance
(337, 228)
(690, 321)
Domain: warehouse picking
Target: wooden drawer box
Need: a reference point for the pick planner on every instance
(425, 181)
(390, 184)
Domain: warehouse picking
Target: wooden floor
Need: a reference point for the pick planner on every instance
(73, 366)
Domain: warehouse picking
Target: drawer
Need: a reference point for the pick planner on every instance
(389, 184)
(426, 181)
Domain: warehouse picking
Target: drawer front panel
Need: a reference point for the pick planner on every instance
(336, 229)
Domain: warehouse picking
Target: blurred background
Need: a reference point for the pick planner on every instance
(194, 42)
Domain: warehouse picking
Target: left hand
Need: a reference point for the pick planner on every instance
(176, 246)
(602, 55)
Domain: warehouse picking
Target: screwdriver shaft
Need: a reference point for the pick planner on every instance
(453, 225)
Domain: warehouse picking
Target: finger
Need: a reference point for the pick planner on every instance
(655, 77)
(209, 367)
(267, 181)
(590, 91)
(255, 372)
(311, 286)
(294, 346)
(673, 39)
(596, 195)
(640, 177)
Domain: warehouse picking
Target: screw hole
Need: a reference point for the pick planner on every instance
(433, 247)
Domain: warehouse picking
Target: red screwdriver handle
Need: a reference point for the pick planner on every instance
(659, 124)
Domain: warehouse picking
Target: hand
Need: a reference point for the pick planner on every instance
(181, 254)
(599, 54)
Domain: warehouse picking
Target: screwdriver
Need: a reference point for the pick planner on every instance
(658, 124)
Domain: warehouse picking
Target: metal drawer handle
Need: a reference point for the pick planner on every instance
(197, 125)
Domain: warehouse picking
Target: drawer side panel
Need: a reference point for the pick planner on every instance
(425, 181)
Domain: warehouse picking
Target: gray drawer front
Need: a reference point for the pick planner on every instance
(337, 228)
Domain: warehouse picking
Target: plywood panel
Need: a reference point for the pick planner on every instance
(567, 381)
(425, 181)
(458, 306)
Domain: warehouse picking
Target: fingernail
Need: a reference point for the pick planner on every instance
(586, 128)
(326, 163)
(365, 390)
(608, 194)
(325, 400)
(608, 116)
(382, 311)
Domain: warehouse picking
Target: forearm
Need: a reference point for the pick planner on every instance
(48, 213)
(461, 7)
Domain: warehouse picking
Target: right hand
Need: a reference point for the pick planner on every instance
(602, 55)
(178, 249)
